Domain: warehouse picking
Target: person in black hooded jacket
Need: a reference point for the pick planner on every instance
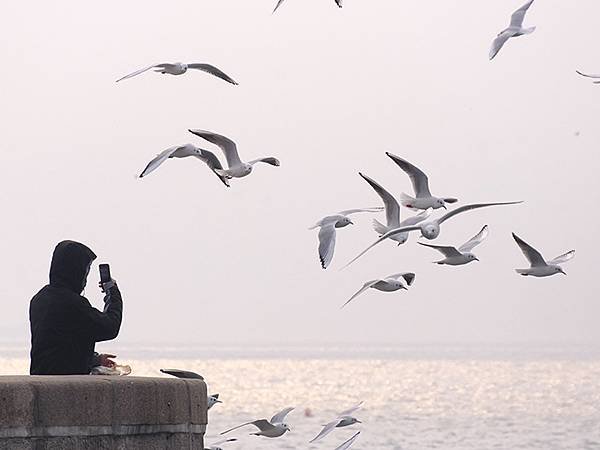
(64, 325)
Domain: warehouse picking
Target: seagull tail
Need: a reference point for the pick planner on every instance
(407, 201)
(379, 227)
(529, 30)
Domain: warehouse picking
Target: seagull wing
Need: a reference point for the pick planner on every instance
(409, 277)
(211, 160)
(261, 424)
(269, 160)
(383, 238)
(160, 158)
(349, 442)
(326, 430)
(588, 75)
(465, 208)
(356, 407)
(475, 240)
(185, 374)
(278, 5)
(499, 42)
(327, 235)
(209, 68)
(137, 72)
(416, 219)
(447, 251)
(562, 258)
(533, 256)
(516, 20)
(348, 212)
(417, 176)
(222, 441)
(280, 416)
(392, 208)
(366, 286)
(225, 144)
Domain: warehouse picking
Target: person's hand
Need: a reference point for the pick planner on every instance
(105, 287)
(104, 360)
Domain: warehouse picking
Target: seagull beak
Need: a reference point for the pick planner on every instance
(358, 421)
(563, 272)
(476, 259)
(444, 206)
(351, 223)
(218, 401)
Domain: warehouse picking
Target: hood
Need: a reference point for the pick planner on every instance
(69, 267)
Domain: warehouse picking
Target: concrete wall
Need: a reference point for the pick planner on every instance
(101, 413)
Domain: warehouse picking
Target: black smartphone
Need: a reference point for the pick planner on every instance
(104, 273)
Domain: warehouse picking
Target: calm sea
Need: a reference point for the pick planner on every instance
(416, 397)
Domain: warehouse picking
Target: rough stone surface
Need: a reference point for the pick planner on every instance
(98, 413)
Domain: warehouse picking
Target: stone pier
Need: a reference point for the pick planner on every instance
(101, 413)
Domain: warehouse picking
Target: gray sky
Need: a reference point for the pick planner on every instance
(327, 91)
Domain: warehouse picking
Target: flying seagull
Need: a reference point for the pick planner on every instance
(539, 266)
(180, 68)
(595, 76)
(327, 232)
(271, 429)
(337, 2)
(514, 29)
(217, 445)
(236, 167)
(183, 151)
(346, 445)
(461, 255)
(184, 374)
(431, 229)
(390, 283)
(211, 400)
(423, 198)
(392, 213)
(344, 419)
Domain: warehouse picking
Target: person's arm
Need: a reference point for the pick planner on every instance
(103, 326)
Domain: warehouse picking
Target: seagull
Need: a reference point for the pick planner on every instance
(183, 374)
(211, 400)
(327, 231)
(539, 266)
(431, 229)
(337, 2)
(180, 68)
(392, 213)
(390, 283)
(420, 182)
(596, 76)
(514, 29)
(462, 255)
(349, 442)
(271, 429)
(343, 419)
(216, 445)
(183, 151)
(237, 168)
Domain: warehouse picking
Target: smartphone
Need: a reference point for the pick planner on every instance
(104, 273)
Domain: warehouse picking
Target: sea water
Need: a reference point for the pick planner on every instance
(419, 397)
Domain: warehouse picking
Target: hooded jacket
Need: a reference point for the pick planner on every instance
(64, 325)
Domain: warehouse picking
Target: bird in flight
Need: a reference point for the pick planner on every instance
(539, 267)
(514, 29)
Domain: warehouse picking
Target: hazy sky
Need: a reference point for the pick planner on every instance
(327, 91)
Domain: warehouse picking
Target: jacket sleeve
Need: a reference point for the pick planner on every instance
(103, 326)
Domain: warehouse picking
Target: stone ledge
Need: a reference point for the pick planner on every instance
(96, 408)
